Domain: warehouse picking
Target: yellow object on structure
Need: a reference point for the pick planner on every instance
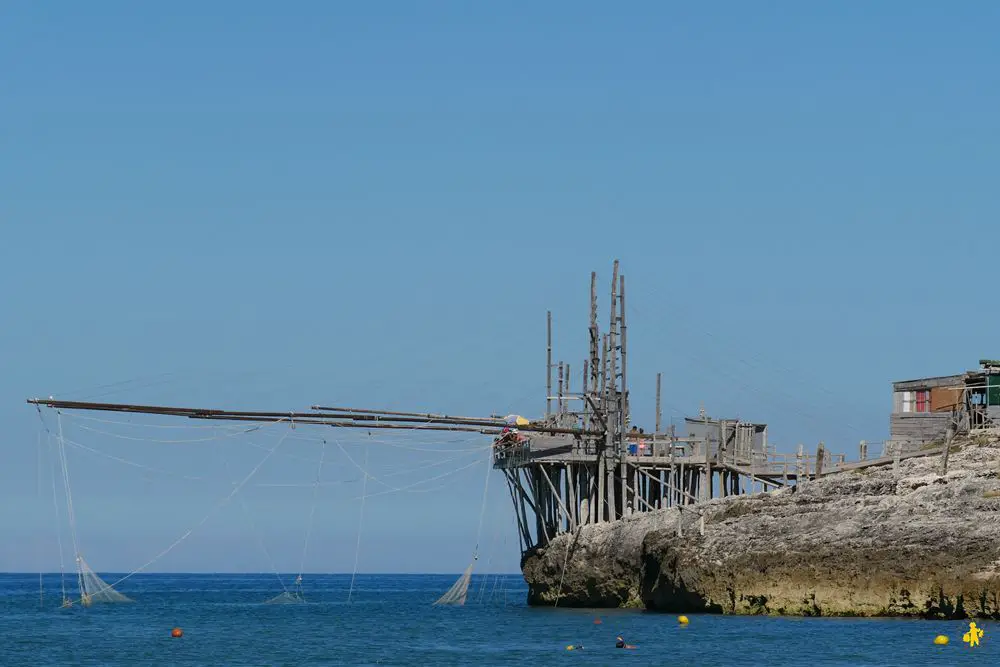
(683, 620)
(941, 640)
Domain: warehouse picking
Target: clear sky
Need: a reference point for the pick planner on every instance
(374, 204)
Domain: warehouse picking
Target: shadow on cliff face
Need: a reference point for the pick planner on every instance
(664, 589)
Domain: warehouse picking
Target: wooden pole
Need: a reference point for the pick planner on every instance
(548, 365)
(604, 372)
(612, 334)
(595, 334)
(820, 456)
(626, 408)
(559, 406)
(659, 414)
(614, 406)
(949, 436)
(567, 390)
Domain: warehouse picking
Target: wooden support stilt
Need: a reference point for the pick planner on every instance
(523, 536)
(626, 498)
(708, 470)
(557, 500)
(685, 494)
(593, 474)
(612, 488)
(820, 456)
(602, 504)
(636, 495)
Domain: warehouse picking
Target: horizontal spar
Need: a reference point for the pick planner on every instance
(357, 421)
(427, 415)
(336, 424)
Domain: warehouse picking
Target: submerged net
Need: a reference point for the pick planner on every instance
(456, 594)
(94, 589)
(288, 597)
(293, 596)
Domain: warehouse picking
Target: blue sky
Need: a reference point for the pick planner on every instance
(375, 204)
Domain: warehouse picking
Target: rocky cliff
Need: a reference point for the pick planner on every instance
(872, 542)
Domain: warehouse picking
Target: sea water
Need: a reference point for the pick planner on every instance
(390, 620)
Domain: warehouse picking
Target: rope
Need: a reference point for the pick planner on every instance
(361, 514)
(423, 481)
(55, 504)
(38, 493)
(482, 512)
(562, 577)
(253, 527)
(164, 441)
(212, 511)
(121, 422)
(151, 469)
(142, 466)
(69, 502)
(489, 561)
(312, 511)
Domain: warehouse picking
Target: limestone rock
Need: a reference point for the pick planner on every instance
(874, 542)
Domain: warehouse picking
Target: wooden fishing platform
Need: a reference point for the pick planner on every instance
(601, 468)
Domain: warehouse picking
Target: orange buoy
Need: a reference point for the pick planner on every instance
(176, 633)
(597, 621)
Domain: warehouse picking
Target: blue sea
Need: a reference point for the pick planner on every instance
(390, 620)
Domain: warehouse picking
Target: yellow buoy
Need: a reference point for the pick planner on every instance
(683, 620)
(941, 640)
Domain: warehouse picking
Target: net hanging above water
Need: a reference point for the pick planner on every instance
(94, 589)
(458, 591)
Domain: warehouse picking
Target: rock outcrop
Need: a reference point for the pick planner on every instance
(872, 542)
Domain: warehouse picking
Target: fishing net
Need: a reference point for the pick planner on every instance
(456, 594)
(288, 597)
(94, 589)
(293, 596)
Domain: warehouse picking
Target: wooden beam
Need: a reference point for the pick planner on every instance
(523, 536)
